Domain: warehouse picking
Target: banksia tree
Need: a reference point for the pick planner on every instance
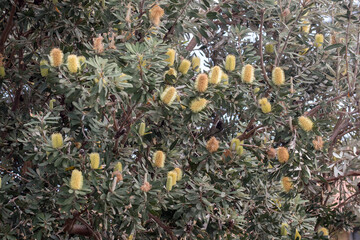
(250, 153)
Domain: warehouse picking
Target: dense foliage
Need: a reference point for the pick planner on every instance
(131, 141)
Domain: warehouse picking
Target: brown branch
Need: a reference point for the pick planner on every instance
(7, 29)
(346, 200)
(163, 226)
(317, 108)
(261, 50)
(349, 174)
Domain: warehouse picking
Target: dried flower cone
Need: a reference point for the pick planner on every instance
(145, 187)
(212, 145)
(318, 143)
(271, 153)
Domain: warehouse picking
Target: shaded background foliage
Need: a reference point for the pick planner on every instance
(99, 110)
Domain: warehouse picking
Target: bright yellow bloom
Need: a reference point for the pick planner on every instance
(94, 160)
(57, 140)
(283, 230)
(324, 231)
(212, 145)
(278, 76)
(171, 59)
(118, 167)
(2, 71)
(179, 173)
(235, 143)
(51, 104)
(168, 96)
(156, 12)
(198, 105)
(230, 63)
(247, 74)
(283, 154)
(142, 129)
(76, 181)
(201, 82)
(297, 235)
(286, 184)
(265, 105)
(215, 75)
(184, 66)
(169, 183)
(306, 26)
(240, 149)
(269, 48)
(195, 63)
(319, 40)
(56, 57)
(44, 70)
(173, 175)
(171, 71)
(305, 123)
(159, 159)
(73, 63)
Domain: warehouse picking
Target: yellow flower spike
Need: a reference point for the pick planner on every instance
(171, 71)
(212, 145)
(56, 57)
(44, 70)
(324, 231)
(159, 159)
(82, 61)
(306, 27)
(184, 66)
(173, 175)
(57, 140)
(76, 181)
(230, 63)
(234, 144)
(305, 123)
(215, 75)
(278, 76)
(142, 129)
(171, 59)
(282, 154)
(201, 82)
(283, 229)
(256, 90)
(168, 96)
(2, 71)
(240, 150)
(73, 63)
(269, 48)
(118, 167)
(247, 74)
(51, 104)
(155, 13)
(169, 183)
(265, 105)
(198, 105)
(0, 182)
(195, 63)
(286, 184)
(319, 40)
(94, 160)
(297, 235)
(179, 173)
